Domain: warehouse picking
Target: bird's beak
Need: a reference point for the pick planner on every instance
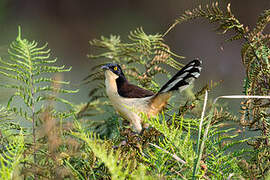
(105, 67)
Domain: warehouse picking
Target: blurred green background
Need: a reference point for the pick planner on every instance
(68, 25)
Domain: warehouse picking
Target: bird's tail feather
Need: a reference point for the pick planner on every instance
(183, 78)
(180, 81)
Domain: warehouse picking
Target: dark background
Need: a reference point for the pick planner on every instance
(68, 25)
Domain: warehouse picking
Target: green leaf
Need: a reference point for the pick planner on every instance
(11, 156)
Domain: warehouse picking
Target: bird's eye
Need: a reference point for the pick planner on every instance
(115, 68)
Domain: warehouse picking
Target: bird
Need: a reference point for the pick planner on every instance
(130, 100)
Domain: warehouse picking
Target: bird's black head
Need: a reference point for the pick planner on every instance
(115, 68)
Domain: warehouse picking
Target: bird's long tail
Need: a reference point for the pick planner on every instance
(181, 80)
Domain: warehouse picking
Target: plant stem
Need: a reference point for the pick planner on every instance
(211, 114)
(265, 132)
(33, 122)
(33, 113)
(34, 132)
(201, 122)
(173, 155)
(198, 149)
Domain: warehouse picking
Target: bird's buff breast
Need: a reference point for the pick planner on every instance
(134, 105)
(128, 108)
(121, 104)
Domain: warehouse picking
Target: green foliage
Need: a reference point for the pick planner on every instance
(255, 57)
(29, 68)
(104, 127)
(41, 140)
(174, 156)
(220, 161)
(174, 151)
(117, 166)
(216, 158)
(12, 145)
(11, 155)
(214, 14)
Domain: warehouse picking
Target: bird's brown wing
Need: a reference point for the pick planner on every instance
(128, 90)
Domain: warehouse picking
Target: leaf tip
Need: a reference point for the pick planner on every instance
(19, 33)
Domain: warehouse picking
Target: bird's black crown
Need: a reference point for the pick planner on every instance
(115, 68)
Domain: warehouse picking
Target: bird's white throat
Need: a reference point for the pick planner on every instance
(110, 83)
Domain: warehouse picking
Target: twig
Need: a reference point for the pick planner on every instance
(240, 97)
(173, 155)
(201, 122)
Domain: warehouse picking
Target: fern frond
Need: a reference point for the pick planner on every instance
(26, 66)
(52, 98)
(45, 61)
(41, 55)
(35, 49)
(11, 76)
(263, 21)
(4, 113)
(161, 125)
(48, 80)
(247, 55)
(57, 90)
(214, 14)
(49, 69)
(11, 156)
(220, 161)
(118, 168)
(176, 139)
(30, 68)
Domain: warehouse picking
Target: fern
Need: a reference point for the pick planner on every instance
(173, 154)
(118, 167)
(262, 22)
(175, 135)
(11, 155)
(177, 145)
(220, 161)
(29, 68)
(8, 126)
(215, 159)
(255, 51)
(214, 14)
(255, 57)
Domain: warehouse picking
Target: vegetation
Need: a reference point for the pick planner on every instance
(44, 136)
